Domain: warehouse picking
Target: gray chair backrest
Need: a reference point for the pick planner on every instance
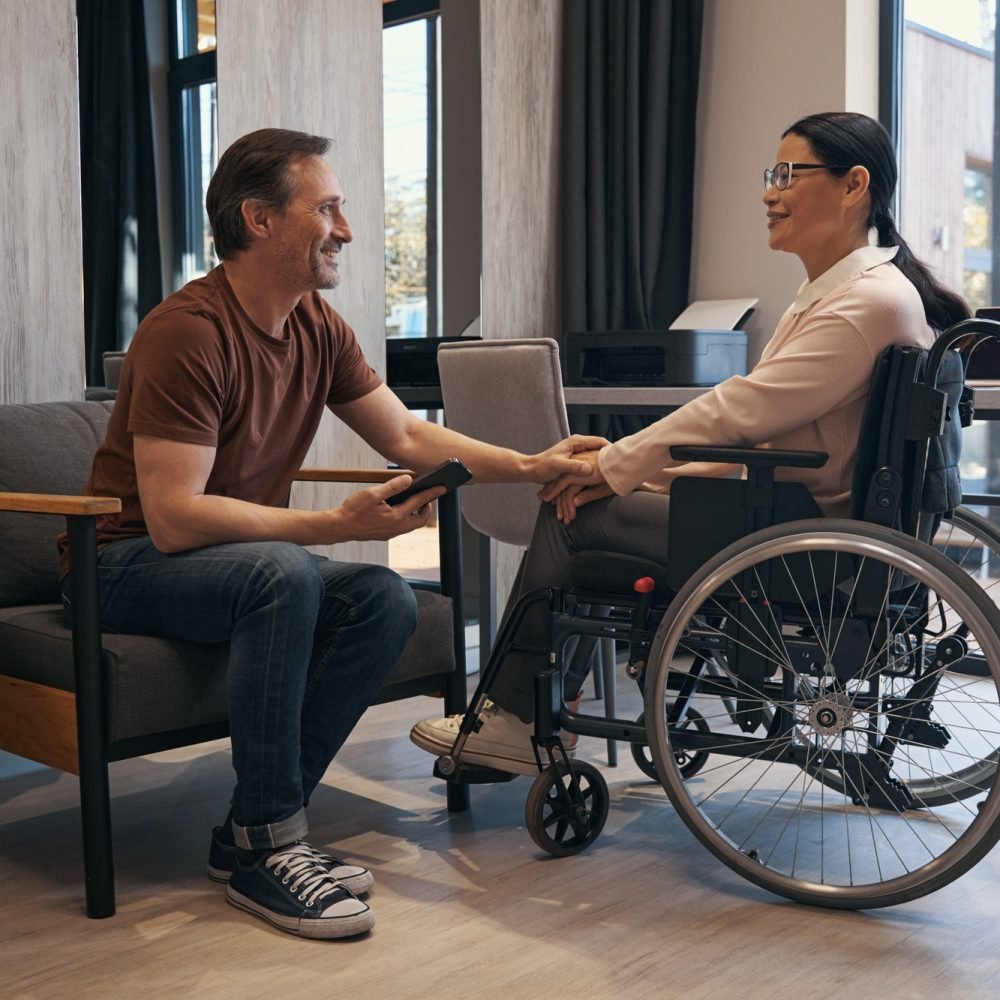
(44, 448)
(507, 393)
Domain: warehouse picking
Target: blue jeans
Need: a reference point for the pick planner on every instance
(311, 642)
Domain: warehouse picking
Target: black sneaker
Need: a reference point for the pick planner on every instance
(290, 889)
(222, 859)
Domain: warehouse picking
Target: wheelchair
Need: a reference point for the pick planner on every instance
(821, 695)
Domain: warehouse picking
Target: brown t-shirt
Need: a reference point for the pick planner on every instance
(200, 371)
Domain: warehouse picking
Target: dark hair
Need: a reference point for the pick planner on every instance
(255, 166)
(846, 137)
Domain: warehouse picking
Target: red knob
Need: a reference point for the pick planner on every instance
(644, 585)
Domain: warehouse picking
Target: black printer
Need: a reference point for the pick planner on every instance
(704, 345)
(411, 369)
(653, 357)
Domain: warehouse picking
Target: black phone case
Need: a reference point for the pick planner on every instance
(450, 474)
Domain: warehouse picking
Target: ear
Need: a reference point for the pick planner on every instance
(256, 218)
(856, 182)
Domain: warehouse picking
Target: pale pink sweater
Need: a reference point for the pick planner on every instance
(807, 392)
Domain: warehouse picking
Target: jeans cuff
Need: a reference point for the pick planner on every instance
(285, 831)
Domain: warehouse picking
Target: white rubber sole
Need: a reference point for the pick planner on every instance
(498, 761)
(326, 928)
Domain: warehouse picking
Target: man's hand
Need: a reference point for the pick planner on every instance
(574, 457)
(366, 516)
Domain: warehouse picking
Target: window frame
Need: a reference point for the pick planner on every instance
(396, 12)
(184, 73)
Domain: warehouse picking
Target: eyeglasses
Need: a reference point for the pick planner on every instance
(780, 175)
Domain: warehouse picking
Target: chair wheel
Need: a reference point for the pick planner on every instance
(688, 762)
(566, 808)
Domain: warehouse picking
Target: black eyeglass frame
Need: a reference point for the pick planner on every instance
(770, 172)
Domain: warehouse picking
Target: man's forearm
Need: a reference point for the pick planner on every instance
(214, 520)
(426, 445)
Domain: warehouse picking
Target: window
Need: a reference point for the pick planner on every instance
(194, 133)
(410, 45)
(947, 84)
(409, 66)
(946, 155)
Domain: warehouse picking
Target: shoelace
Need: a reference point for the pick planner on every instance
(303, 874)
(323, 859)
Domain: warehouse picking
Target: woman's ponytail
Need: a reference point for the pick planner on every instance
(942, 306)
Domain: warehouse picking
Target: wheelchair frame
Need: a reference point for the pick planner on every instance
(794, 680)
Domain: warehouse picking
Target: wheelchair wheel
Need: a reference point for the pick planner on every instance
(838, 733)
(690, 763)
(565, 812)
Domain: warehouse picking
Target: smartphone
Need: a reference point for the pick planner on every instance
(450, 474)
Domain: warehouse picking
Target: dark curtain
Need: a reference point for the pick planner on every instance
(630, 89)
(121, 242)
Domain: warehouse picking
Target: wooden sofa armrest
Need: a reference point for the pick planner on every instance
(57, 503)
(321, 475)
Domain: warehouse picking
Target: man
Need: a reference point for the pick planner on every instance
(221, 393)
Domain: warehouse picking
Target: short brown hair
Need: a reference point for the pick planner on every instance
(255, 166)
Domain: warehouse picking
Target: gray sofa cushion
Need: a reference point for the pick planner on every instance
(47, 448)
(154, 685)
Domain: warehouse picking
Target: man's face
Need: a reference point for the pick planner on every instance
(311, 230)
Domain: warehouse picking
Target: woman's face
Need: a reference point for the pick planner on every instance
(817, 216)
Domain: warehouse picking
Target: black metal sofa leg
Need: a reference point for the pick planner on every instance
(91, 725)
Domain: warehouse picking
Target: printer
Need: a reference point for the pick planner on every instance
(702, 347)
(411, 369)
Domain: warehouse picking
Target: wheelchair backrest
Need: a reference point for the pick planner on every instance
(906, 470)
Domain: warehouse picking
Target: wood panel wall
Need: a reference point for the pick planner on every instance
(521, 64)
(41, 280)
(316, 65)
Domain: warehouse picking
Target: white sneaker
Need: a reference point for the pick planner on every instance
(503, 742)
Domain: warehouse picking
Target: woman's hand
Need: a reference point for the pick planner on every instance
(573, 498)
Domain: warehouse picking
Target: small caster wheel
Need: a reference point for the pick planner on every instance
(689, 762)
(567, 808)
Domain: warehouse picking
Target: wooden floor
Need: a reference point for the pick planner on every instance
(466, 906)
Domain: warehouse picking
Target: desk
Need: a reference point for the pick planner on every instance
(663, 399)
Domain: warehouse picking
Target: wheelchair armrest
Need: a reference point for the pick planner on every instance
(748, 456)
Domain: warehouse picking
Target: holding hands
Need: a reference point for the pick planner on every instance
(574, 488)
(573, 458)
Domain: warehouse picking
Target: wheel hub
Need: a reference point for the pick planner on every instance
(829, 715)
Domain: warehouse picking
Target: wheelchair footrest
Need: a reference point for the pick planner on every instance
(473, 774)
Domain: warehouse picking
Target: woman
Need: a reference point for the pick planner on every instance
(827, 201)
